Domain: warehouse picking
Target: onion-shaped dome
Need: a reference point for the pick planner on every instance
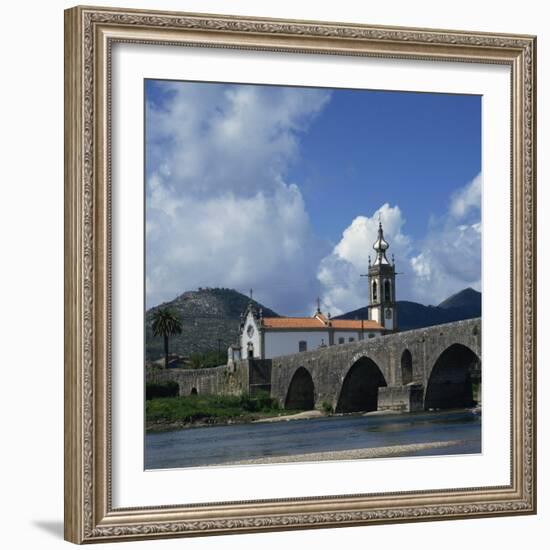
(381, 245)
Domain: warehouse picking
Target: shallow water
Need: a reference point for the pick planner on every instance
(206, 446)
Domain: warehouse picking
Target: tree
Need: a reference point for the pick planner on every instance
(166, 323)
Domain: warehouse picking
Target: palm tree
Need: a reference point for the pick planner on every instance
(166, 323)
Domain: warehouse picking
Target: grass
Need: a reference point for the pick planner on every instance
(209, 409)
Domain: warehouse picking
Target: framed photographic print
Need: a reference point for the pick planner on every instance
(300, 274)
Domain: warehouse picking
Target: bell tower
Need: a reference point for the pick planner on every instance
(381, 276)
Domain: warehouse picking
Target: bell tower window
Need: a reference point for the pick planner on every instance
(387, 291)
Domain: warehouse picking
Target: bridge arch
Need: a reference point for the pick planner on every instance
(406, 367)
(450, 382)
(359, 391)
(301, 391)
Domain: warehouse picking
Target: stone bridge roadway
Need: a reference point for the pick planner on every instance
(434, 367)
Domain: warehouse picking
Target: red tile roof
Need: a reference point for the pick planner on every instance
(319, 322)
(293, 322)
(349, 324)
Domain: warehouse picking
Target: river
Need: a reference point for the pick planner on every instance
(215, 445)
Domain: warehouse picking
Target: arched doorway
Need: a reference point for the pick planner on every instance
(406, 367)
(301, 392)
(194, 391)
(360, 387)
(451, 383)
(250, 350)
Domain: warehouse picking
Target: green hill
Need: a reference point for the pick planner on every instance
(207, 315)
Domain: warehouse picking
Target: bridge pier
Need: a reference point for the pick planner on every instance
(408, 398)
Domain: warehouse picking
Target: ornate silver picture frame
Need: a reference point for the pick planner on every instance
(90, 35)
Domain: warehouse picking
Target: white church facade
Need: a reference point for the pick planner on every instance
(267, 337)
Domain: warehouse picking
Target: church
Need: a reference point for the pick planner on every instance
(267, 337)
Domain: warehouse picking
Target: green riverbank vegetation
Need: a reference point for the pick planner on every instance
(176, 412)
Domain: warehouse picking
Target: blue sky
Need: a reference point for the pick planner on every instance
(280, 189)
(391, 147)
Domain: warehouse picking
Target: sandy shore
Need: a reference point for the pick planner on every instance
(318, 414)
(297, 416)
(377, 452)
(383, 413)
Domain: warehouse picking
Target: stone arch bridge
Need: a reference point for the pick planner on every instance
(430, 368)
(435, 367)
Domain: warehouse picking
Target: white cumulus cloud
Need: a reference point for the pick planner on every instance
(449, 262)
(441, 263)
(450, 254)
(219, 208)
(467, 199)
(340, 272)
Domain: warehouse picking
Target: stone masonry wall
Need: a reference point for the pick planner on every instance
(222, 380)
(204, 381)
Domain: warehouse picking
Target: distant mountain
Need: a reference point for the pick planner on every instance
(466, 300)
(207, 315)
(465, 304)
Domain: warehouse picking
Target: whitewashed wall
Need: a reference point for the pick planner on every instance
(356, 335)
(285, 343)
(254, 339)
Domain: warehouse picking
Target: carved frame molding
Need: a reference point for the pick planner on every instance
(89, 35)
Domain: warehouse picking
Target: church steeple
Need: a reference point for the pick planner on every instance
(382, 306)
(380, 246)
